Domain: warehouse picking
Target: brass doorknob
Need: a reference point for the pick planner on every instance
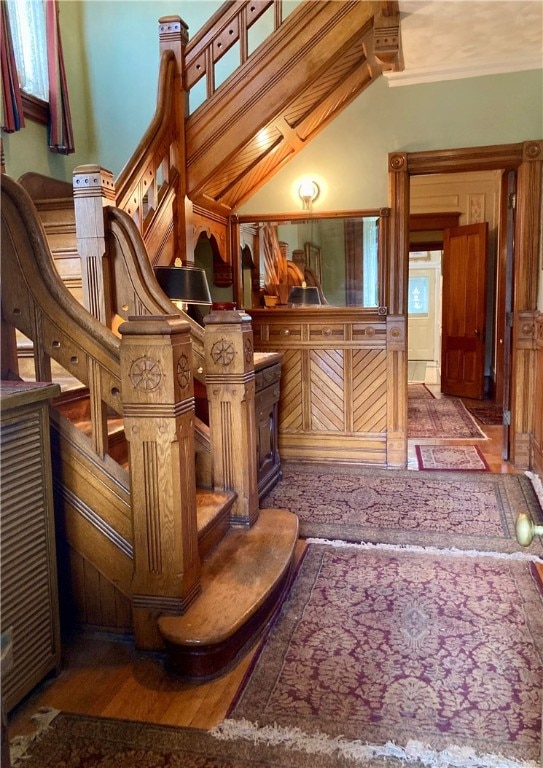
(526, 529)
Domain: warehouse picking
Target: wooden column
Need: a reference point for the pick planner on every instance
(397, 260)
(158, 406)
(94, 189)
(230, 380)
(528, 243)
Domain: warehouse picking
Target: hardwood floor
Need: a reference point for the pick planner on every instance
(105, 676)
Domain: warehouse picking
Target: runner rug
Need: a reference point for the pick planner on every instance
(487, 414)
(76, 741)
(441, 417)
(418, 391)
(442, 655)
(468, 510)
(467, 458)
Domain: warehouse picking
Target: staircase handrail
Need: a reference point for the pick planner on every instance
(159, 147)
(147, 296)
(145, 377)
(57, 324)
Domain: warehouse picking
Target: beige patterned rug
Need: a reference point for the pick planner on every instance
(377, 647)
(468, 510)
(449, 458)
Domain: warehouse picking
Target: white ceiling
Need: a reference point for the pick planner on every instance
(448, 39)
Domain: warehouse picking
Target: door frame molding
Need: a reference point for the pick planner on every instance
(526, 158)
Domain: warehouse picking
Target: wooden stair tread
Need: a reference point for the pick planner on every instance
(237, 578)
(207, 503)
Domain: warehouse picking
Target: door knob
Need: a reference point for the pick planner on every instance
(526, 529)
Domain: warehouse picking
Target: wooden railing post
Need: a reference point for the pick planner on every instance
(158, 407)
(94, 189)
(174, 36)
(230, 379)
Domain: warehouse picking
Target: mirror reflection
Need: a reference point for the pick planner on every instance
(334, 255)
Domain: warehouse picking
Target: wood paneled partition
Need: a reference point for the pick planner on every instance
(334, 387)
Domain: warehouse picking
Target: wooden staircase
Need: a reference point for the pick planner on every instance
(109, 511)
(196, 571)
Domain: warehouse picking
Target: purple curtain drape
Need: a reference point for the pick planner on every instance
(11, 92)
(60, 130)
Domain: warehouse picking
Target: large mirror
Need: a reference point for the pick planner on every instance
(340, 254)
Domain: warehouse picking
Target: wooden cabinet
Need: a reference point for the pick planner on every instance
(267, 391)
(29, 595)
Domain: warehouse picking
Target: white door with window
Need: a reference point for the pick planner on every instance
(424, 313)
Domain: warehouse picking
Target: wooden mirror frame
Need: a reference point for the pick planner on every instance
(383, 246)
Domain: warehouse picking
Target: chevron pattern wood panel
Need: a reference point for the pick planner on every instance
(327, 385)
(369, 401)
(290, 407)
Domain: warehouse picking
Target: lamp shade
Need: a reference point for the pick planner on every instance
(185, 283)
(304, 295)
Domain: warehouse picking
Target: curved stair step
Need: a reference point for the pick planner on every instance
(243, 580)
(213, 513)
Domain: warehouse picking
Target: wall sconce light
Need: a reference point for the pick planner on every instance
(309, 191)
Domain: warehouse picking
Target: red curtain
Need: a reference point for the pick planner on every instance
(11, 92)
(60, 130)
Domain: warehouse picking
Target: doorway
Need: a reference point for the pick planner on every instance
(464, 356)
(525, 161)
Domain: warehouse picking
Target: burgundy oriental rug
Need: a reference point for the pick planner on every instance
(487, 414)
(467, 510)
(379, 648)
(418, 391)
(440, 418)
(466, 458)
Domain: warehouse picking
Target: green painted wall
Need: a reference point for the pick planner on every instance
(349, 158)
(112, 57)
(111, 54)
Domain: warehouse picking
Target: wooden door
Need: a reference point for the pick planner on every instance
(464, 310)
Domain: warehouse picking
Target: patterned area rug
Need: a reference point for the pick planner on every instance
(487, 414)
(464, 510)
(467, 458)
(443, 417)
(419, 391)
(379, 647)
(75, 741)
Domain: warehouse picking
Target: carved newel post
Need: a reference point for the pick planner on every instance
(230, 381)
(158, 407)
(94, 190)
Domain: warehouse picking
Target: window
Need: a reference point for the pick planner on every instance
(28, 32)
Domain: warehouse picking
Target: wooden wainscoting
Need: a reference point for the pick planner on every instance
(333, 403)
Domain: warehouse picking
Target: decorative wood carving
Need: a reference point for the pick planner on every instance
(159, 423)
(334, 382)
(230, 380)
(273, 104)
